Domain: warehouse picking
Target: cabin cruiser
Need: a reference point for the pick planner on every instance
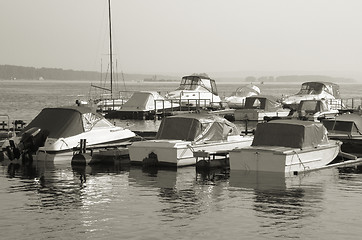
(315, 110)
(142, 105)
(196, 91)
(259, 107)
(180, 136)
(237, 100)
(314, 91)
(288, 146)
(348, 129)
(59, 130)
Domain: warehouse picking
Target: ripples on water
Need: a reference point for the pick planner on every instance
(120, 201)
(123, 201)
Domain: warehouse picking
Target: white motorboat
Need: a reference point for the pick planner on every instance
(196, 90)
(314, 91)
(260, 106)
(237, 100)
(59, 130)
(180, 136)
(286, 146)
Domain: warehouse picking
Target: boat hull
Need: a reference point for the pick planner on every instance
(283, 159)
(179, 153)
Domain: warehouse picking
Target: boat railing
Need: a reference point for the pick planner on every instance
(351, 103)
(8, 128)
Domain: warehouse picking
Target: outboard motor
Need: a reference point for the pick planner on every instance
(32, 139)
(29, 143)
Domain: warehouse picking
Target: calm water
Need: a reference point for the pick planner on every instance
(119, 201)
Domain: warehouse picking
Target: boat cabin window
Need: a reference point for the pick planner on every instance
(257, 103)
(189, 83)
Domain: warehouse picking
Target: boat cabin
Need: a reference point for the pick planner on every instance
(195, 82)
(309, 88)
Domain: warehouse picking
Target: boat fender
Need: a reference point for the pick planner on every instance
(151, 160)
(9, 153)
(13, 151)
(27, 158)
(80, 159)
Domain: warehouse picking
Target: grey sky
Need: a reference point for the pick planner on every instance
(153, 36)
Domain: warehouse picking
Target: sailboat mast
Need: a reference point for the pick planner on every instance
(110, 45)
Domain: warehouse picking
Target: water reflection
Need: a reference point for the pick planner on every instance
(183, 193)
(281, 203)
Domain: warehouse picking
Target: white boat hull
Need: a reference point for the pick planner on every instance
(283, 159)
(180, 153)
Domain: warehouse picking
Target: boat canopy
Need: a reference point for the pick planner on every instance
(319, 87)
(290, 133)
(246, 91)
(196, 127)
(268, 103)
(67, 121)
(145, 101)
(345, 123)
(193, 81)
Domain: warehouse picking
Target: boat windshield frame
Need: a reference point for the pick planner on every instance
(312, 88)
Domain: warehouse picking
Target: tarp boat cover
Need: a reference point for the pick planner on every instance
(290, 133)
(196, 127)
(350, 124)
(267, 103)
(67, 121)
(146, 101)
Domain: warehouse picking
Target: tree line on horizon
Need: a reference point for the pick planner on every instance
(9, 72)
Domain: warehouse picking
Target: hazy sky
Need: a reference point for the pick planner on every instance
(165, 36)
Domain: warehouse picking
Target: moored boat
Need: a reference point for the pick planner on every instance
(348, 129)
(260, 106)
(315, 110)
(180, 136)
(314, 91)
(142, 105)
(237, 100)
(197, 90)
(59, 130)
(286, 146)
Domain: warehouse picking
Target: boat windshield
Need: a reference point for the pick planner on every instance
(189, 83)
(312, 88)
